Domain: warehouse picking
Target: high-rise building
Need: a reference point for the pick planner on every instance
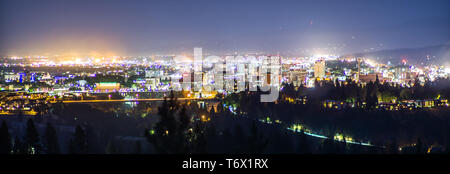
(402, 74)
(319, 69)
(297, 77)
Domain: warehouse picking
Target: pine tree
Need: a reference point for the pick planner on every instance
(329, 146)
(32, 140)
(212, 110)
(220, 107)
(138, 148)
(303, 146)
(184, 119)
(19, 147)
(257, 143)
(393, 147)
(371, 95)
(111, 147)
(200, 143)
(419, 147)
(237, 139)
(78, 145)
(344, 146)
(170, 134)
(5, 139)
(377, 81)
(51, 140)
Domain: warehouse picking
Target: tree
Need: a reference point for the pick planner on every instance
(51, 144)
(138, 148)
(377, 81)
(220, 107)
(184, 119)
(238, 137)
(344, 146)
(329, 146)
(419, 147)
(393, 147)
(111, 147)
(405, 94)
(78, 145)
(371, 95)
(256, 141)
(170, 134)
(19, 147)
(355, 148)
(199, 143)
(303, 146)
(5, 139)
(32, 140)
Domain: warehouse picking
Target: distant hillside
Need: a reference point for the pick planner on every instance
(439, 54)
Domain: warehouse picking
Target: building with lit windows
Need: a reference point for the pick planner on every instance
(107, 86)
(319, 69)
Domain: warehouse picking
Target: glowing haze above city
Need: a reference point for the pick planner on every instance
(144, 28)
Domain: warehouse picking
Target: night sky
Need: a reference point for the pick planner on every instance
(132, 27)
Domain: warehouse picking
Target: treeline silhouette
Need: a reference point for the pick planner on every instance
(380, 127)
(33, 143)
(178, 132)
